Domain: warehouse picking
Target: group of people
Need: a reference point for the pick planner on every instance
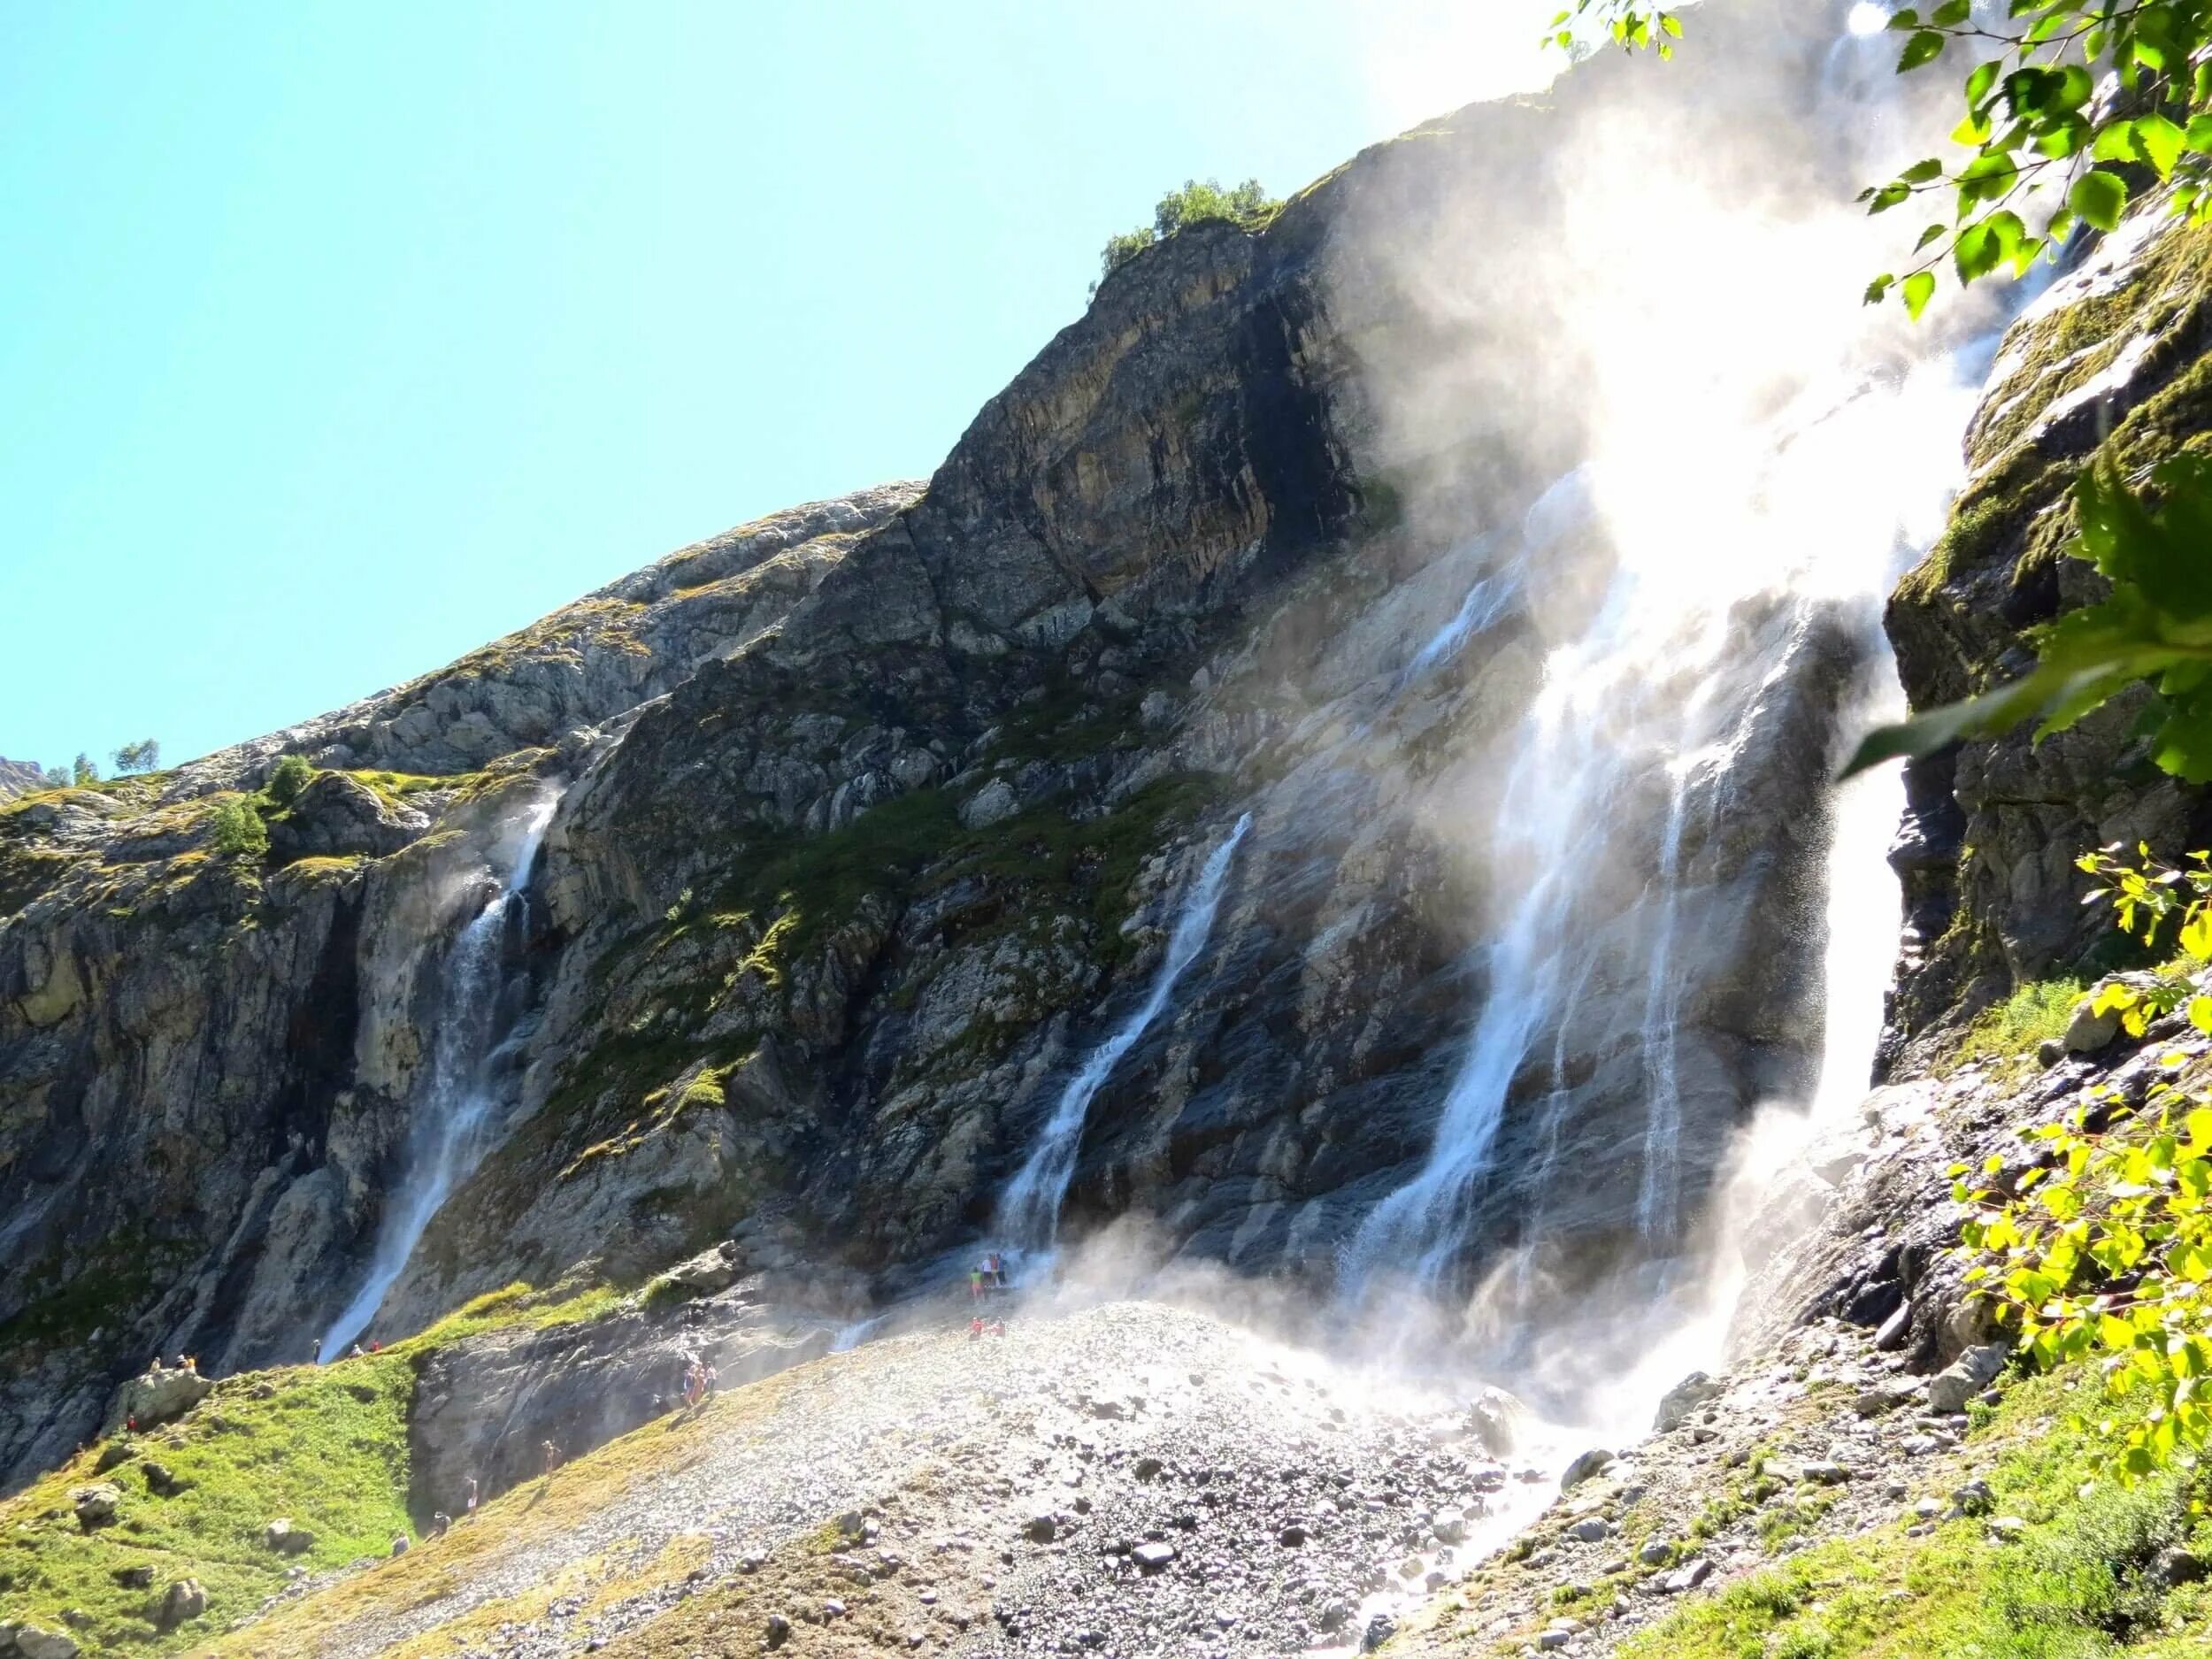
(988, 1277)
(186, 1363)
(699, 1381)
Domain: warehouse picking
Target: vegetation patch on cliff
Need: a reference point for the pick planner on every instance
(2081, 1578)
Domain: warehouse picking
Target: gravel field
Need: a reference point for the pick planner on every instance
(1129, 1479)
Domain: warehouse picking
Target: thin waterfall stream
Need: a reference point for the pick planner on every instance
(1028, 1217)
(455, 1102)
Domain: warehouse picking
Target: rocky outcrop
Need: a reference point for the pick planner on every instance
(484, 1407)
(19, 777)
(2113, 355)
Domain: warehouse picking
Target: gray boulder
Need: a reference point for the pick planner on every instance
(1583, 1468)
(185, 1600)
(96, 1504)
(33, 1643)
(1685, 1397)
(156, 1397)
(286, 1538)
(1950, 1389)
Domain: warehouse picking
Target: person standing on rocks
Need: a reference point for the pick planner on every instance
(469, 1508)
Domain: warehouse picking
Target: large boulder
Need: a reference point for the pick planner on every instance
(183, 1600)
(33, 1643)
(1685, 1397)
(96, 1504)
(286, 1538)
(154, 1397)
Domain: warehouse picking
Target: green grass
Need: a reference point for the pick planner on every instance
(2076, 1587)
(325, 1448)
(328, 1448)
(2009, 1033)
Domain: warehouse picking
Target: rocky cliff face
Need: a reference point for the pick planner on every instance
(2113, 355)
(874, 817)
(19, 777)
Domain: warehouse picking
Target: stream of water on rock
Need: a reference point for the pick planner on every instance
(455, 1102)
(1028, 1217)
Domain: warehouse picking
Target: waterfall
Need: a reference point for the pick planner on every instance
(454, 1102)
(1029, 1209)
(1642, 730)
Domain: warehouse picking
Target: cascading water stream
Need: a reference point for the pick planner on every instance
(1029, 1215)
(456, 1099)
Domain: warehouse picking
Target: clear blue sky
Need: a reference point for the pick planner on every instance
(338, 338)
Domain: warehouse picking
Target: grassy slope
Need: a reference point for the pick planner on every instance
(2077, 1585)
(325, 1447)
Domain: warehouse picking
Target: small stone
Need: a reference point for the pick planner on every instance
(1919, 1445)
(1552, 1641)
(1927, 1508)
(1583, 1468)
(2090, 1031)
(286, 1538)
(1594, 1530)
(33, 1643)
(1677, 1404)
(1824, 1474)
(1894, 1330)
(184, 1600)
(2178, 1566)
(1146, 1468)
(778, 1631)
(832, 1609)
(1975, 1498)
(1380, 1630)
(1688, 1576)
(1950, 1389)
(1153, 1556)
(1043, 1527)
(2008, 1528)
(1657, 1552)
(141, 1577)
(1293, 1533)
(1449, 1526)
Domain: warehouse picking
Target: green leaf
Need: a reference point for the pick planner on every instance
(2196, 935)
(2198, 135)
(1922, 171)
(2098, 198)
(2159, 141)
(1919, 289)
(1923, 48)
(1979, 83)
(1877, 290)
(1904, 18)
(1933, 234)
(1950, 14)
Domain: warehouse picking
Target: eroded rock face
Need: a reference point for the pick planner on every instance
(2116, 347)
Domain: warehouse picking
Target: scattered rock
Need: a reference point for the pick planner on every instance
(1449, 1526)
(1657, 1552)
(2176, 1566)
(1293, 1533)
(1684, 1398)
(1593, 1530)
(1950, 1389)
(183, 1600)
(1153, 1556)
(139, 1578)
(2089, 1031)
(96, 1504)
(778, 1631)
(1583, 1468)
(1497, 1419)
(286, 1538)
(2007, 1529)
(159, 1481)
(156, 1397)
(993, 803)
(1824, 1474)
(1887, 1396)
(1974, 1498)
(1043, 1527)
(1688, 1576)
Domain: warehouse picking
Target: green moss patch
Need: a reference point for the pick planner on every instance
(2080, 1583)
